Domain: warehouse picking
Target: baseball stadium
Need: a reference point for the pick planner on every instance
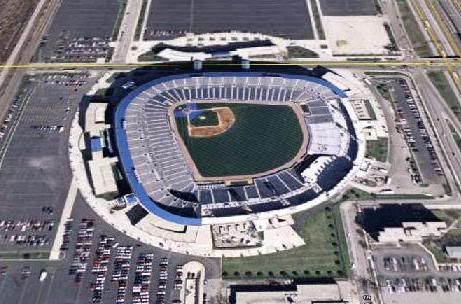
(202, 147)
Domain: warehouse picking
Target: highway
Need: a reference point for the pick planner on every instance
(435, 63)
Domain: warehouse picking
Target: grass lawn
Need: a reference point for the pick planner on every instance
(440, 81)
(417, 38)
(355, 194)
(448, 216)
(15, 255)
(384, 91)
(456, 136)
(262, 137)
(377, 149)
(300, 52)
(438, 252)
(151, 56)
(324, 255)
(437, 246)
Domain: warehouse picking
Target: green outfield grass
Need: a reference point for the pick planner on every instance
(324, 255)
(263, 137)
(206, 118)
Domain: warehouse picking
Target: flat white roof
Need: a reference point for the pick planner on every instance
(102, 176)
(95, 118)
(454, 251)
(308, 294)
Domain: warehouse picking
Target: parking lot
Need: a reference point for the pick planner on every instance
(425, 166)
(348, 7)
(113, 269)
(100, 264)
(409, 270)
(171, 18)
(81, 31)
(35, 173)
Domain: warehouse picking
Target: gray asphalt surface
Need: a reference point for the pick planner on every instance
(60, 287)
(348, 7)
(35, 170)
(170, 18)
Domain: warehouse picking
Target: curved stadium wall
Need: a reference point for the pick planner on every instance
(329, 178)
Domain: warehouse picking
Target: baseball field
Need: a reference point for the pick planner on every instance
(262, 137)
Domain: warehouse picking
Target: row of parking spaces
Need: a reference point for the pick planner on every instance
(162, 281)
(450, 267)
(83, 244)
(89, 240)
(142, 278)
(121, 271)
(81, 31)
(100, 266)
(405, 264)
(420, 284)
(348, 7)
(25, 232)
(34, 240)
(66, 237)
(168, 19)
(12, 114)
(26, 225)
(426, 168)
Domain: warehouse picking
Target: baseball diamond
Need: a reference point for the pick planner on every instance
(210, 122)
(263, 137)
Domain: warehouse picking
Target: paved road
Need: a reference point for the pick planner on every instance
(358, 254)
(391, 10)
(127, 30)
(22, 40)
(437, 110)
(427, 63)
(24, 51)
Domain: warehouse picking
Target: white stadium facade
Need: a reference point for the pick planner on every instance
(160, 178)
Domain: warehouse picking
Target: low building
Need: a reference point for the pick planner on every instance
(335, 292)
(102, 177)
(101, 166)
(412, 232)
(95, 119)
(454, 252)
(393, 223)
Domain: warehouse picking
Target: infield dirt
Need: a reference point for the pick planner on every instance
(226, 121)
